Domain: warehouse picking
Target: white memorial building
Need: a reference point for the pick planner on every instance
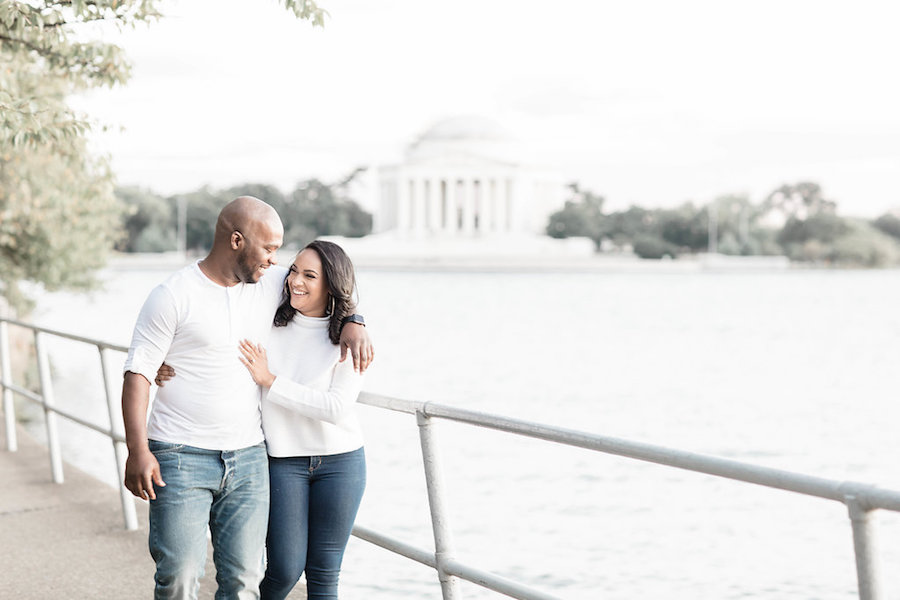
(465, 177)
(464, 190)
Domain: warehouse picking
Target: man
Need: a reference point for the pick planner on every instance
(201, 460)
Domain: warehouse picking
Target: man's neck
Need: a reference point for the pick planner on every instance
(217, 272)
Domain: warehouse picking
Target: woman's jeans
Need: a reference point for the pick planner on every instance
(228, 492)
(313, 504)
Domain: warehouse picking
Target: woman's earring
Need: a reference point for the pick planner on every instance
(330, 304)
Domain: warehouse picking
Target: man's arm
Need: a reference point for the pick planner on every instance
(153, 335)
(141, 468)
(355, 338)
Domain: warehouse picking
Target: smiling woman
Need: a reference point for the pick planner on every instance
(320, 283)
(306, 286)
(317, 464)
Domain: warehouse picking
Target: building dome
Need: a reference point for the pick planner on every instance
(470, 127)
(464, 138)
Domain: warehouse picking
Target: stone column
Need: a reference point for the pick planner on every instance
(403, 204)
(435, 212)
(450, 224)
(420, 204)
(468, 225)
(512, 205)
(487, 205)
(500, 197)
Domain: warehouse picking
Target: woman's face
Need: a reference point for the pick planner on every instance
(307, 285)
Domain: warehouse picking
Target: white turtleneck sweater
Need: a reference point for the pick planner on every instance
(310, 408)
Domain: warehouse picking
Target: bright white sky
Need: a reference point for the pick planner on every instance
(652, 102)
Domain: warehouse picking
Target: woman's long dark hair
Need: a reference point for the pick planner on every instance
(341, 282)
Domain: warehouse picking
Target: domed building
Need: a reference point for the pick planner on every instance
(465, 177)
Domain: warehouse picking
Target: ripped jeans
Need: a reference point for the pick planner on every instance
(226, 491)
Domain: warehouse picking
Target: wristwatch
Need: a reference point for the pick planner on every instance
(358, 319)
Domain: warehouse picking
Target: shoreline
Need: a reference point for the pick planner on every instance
(505, 263)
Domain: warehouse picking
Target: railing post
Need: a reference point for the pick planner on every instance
(119, 449)
(434, 481)
(864, 548)
(56, 467)
(9, 407)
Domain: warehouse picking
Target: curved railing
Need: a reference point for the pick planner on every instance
(861, 499)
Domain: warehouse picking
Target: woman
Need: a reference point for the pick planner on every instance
(317, 468)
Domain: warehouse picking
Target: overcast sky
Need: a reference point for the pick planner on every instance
(650, 102)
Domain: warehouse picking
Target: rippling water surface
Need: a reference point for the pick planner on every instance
(796, 370)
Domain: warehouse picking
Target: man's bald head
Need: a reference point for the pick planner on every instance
(244, 213)
(248, 232)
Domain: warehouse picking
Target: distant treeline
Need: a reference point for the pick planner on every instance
(794, 220)
(312, 209)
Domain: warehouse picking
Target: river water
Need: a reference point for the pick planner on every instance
(793, 369)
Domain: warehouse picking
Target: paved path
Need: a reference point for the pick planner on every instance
(68, 541)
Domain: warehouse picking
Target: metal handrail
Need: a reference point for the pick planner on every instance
(860, 498)
(114, 431)
(869, 495)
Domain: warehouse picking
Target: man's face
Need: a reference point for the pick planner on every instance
(257, 252)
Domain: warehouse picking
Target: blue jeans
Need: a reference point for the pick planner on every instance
(226, 491)
(313, 504)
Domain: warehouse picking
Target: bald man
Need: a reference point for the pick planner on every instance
(200, 459)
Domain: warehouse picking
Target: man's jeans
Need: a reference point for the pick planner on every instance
(314, 504)
(226, 491)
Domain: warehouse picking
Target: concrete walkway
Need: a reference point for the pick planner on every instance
(68, 541)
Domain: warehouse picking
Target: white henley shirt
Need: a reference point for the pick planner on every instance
(195, 325)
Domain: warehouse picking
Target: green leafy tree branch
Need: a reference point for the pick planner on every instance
(59, 217)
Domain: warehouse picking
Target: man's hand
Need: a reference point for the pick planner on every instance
(141, 472)
(355, 338)
(141, 468)
(163, 374)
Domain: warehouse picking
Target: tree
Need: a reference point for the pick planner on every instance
(864, 246)
(685, 227)
(582, 216)
(889, 224)
(149, 221)
(799, 201)
(58, 214)
(58, 219)
(740, 229)
(315, 209)
(653, 247)
(624, 226)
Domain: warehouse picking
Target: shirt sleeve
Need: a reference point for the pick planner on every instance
(153, 333)
(326, 405)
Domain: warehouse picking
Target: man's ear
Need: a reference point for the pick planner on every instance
(236, 240)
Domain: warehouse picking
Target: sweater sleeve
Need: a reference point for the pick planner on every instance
(325, 405)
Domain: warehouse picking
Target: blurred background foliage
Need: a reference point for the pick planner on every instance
(795, 220)
(312, 209)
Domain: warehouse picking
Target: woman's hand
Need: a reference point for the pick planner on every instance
(255, 359)
(164, 374)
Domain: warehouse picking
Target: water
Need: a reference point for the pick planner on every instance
(795, 370)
